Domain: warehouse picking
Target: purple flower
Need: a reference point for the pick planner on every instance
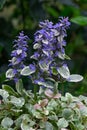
(37, 81)
(19, 54)
(32, 67)
(46, 24)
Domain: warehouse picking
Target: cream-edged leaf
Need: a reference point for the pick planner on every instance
(64, 72)
(27, 71)
(9, 73)
(7, 122)
(75, 78)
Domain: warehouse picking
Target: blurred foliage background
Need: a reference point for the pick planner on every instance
(17, 15)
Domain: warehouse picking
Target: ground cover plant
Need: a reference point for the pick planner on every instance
(45, 108)
(25, 15)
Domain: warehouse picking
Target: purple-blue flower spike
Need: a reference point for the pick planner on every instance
(19, 54)
(50, 44)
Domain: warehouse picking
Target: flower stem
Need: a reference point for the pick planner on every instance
(35, 92)
(56, 88)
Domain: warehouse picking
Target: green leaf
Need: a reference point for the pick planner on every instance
(9, 73)
(18, 102)
(7, 122)
(72, 126)
(19, 86)
(62, 123)
(67, 57)
(79, 126)
(27, 71)
(37, 114)
(69, 97)
(2, 2)
(83, 111)
(52, 105)
(64, 72)
(75, 78)
(9, 89)
(54, 71)
(41, 124)
(18, 121)
(81, 20)
(30, 108)
(53, 118)
(82, 98)
(25, 126)
(48, 126)
(47, 84)
(67, 113)
(4, 94)
(27, 123)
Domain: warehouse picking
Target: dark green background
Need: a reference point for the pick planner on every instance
(17, 15)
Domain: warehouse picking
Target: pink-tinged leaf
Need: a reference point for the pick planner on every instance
(49, 93)
(44, 102)
(37, 106)
(80, 105)
(57, 96)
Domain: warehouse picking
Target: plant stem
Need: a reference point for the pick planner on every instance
(56, 88)
(35, 92)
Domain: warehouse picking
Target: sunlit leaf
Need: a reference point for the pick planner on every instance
(81, 20)
(25, 126)
(62, 123)
(69, 97)
(4, 94)
(7, 122)
(18, 102)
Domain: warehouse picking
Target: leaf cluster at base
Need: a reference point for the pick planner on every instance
(20, 110)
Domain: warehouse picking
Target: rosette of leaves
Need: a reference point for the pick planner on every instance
(19, 110)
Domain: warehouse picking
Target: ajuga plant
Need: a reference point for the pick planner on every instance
(45, 108)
